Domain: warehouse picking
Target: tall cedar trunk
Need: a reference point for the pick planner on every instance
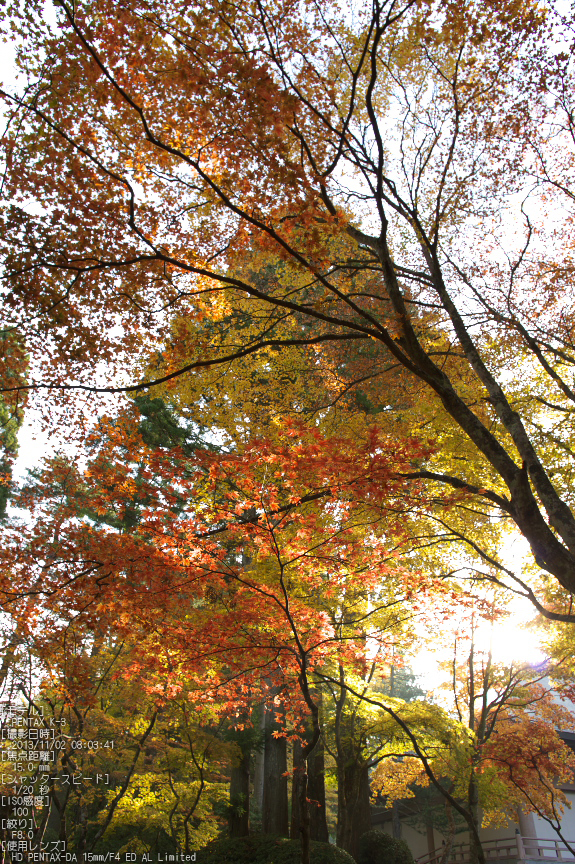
(353, 813)
(239, 818)
(315, 793)
(258, 793)
(298, 770)
(275, 795)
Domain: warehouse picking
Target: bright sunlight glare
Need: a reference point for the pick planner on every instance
(513, 642)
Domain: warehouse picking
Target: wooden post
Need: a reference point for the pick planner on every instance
(520, 846)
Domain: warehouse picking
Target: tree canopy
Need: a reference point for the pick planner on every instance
(297, 281)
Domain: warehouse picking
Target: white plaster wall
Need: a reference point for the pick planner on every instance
(544, 830)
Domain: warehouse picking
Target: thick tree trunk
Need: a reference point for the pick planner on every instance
(258, 793)
(298, 770)
(239, 818)
(275, 794)
(353, 817)
(315, 793)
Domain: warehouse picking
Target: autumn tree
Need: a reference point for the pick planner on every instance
(354, 735)
(159, 147)
(229, 573)
(492, 748)
(388, 190)
(129, 770)
(14, 366)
